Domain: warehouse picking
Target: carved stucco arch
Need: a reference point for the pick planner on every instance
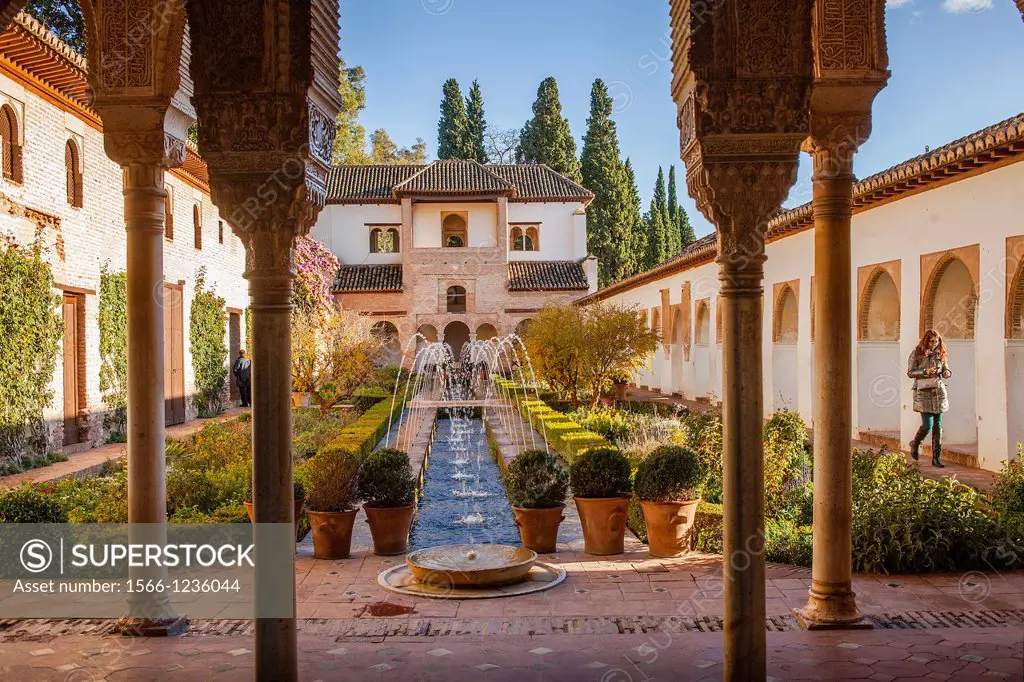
(702, 319)
(1015, 304)
(782, 294)
(866, 298)
(969, 303)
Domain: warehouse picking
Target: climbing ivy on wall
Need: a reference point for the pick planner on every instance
(29, 346)
(248, 332)
(113, 322)
(209, 349)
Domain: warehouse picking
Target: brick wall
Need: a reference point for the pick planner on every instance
(82, 241)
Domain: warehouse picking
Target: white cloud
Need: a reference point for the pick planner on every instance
(966, 6)
(898, 3)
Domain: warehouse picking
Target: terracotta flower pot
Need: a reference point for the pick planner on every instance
(538, 528)
(389, 527)
(300, 399)
(299, 501)
(604, 523)
(332, 533)
(668, 526)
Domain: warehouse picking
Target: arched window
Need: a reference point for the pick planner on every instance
(10, 143)
(393, 238)
(197, 225)
(375, 240)
(525, 238)
(703, 324)
(73, 171)
(786, 316)
(169, 215)
(453, 231)
(456, 297)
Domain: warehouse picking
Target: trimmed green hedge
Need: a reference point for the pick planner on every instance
(568, 438)
(363, 434)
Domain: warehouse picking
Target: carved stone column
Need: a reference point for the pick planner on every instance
(849, 70)
(742, 73)
(266, 83)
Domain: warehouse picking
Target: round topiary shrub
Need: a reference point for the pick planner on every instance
(600, 472)
(330, 479)
(25, 505)
(536, 479)
(669, 474)
(386, 480)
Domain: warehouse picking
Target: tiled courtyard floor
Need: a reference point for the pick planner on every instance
(615, 619)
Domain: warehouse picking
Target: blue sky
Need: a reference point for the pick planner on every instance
(957, 66)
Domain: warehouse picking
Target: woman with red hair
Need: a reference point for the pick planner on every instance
(927, 367)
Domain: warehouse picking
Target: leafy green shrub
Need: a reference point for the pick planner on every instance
(205, 489)
(701, 432)
(311, 431)
(903, 522)
(787, 458)
(386, 480)
(330, 479)
(363, 434)
(220, 444)
(669, 474)
(366, 397)
(708, 528)
(234, 513)
(787, 542)
(797, 504)
(27, 505)
(536, 479)
(298, 489)
(113, 324)
(614, 425)
(600, 472)
(29, 347)
(1008, 495)
(209, 350)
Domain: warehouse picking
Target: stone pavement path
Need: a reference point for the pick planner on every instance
(970, 654)
(90, 461)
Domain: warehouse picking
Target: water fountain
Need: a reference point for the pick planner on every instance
(464, 538)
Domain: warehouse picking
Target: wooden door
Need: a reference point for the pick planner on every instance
(72, 369)
(174, 357)
(234, 345)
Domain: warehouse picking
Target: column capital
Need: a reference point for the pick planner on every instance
(144, 144)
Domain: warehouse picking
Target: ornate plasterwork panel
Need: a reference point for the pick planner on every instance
(741, 80)
(266, 81)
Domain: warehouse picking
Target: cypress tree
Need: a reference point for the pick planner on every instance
(686, 233)
(634, 223)
(604, 175)
(674, 240)
(477, 124)
(657, 224)
(546, 137)
(453, 128)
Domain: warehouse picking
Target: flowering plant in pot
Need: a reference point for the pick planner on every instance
(388, 488)
(330, 478)
(668, 485)
(600, 480)
(536, 484)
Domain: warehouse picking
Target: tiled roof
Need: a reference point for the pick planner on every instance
(1000, 142)
(359, 278)
(538, 182)
(455, 177)
(384, 183)
(550, 275)
(355, 183)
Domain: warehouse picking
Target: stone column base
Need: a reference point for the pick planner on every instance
(152, 627)
(837, 611)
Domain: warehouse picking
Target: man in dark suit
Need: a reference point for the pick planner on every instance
(243, 373)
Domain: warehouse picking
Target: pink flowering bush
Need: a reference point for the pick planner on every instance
(316, 268)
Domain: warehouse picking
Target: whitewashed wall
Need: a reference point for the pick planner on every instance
(987, 388)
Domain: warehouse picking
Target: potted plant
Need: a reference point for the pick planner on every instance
(620, 382)
(331, 478)
(387, 486)
(668, 483)
(536, 484)
(601, 488)
(300, 498)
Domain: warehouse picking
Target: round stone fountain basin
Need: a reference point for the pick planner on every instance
(471, 565)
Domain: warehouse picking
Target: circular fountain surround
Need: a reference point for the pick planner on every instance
(471, 565)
